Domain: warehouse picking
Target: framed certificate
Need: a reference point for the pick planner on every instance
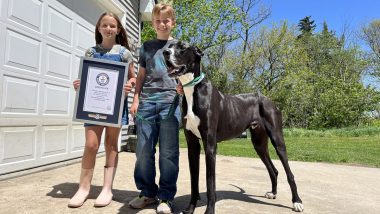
(100, 97)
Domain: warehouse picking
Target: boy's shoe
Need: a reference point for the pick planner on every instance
(141, 202)
(164, 207)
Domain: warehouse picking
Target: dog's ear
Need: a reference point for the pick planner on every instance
(197, 51)
(180, 43)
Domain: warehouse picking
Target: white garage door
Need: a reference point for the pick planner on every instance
(41, 42)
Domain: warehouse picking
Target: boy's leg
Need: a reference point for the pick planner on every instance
(145, 171)
(169, 154)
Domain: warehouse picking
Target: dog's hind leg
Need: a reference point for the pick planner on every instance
(259, 140)
(273, 125)
(194, 150)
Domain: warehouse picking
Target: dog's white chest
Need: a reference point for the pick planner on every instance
(192, 120)
(192, 124)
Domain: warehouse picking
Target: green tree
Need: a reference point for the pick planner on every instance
(270, 51)
(148, 32)
(306, 26)
(370, 33)
(212, 25)
(206, 23)
(336, 94)
(263, 64)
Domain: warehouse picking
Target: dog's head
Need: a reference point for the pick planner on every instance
(181, 58)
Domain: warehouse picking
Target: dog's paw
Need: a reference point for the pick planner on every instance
(298, 207)
(270, 195)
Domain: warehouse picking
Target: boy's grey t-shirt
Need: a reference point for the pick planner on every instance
(158, 86)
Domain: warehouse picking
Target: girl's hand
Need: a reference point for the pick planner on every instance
(76, 84)
(133, 109)
(128, 87)
(179, 89)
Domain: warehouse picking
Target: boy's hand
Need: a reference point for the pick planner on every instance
(134, 107)
(179, 89)
(128, 87)
(76, 84)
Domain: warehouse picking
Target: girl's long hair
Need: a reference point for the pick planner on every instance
(121, 38)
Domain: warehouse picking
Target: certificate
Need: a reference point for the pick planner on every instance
(100, 98)
(100, 91)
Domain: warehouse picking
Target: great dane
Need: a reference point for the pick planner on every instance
(213, 116)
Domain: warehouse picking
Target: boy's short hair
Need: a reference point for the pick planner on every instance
(163, 8)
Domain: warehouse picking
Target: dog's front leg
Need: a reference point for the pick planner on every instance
(210, 147)
(194, 150)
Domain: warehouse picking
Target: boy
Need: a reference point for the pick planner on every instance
(158, 118)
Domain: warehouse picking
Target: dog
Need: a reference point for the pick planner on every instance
(213, 116)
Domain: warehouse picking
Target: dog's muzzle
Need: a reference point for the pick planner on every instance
(174, 71)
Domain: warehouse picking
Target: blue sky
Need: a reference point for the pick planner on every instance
(336, 13)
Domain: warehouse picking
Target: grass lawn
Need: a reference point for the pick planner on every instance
(316, 147)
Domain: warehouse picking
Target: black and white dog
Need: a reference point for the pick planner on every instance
(213, 117)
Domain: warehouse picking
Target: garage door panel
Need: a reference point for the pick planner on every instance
(58, 63)
(54, 140)
(78, 137)
(22, 51)
(31, 17)
(18, 144)
(76, 64)
(27, 95)
(85, 38)
(59, 26)
(1, 10)
(56, 100)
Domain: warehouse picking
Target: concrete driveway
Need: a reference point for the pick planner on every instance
(241, 184)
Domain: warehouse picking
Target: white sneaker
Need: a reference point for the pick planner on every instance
(141, 202)
(164, 207)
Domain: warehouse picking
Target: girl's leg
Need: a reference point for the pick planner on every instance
(93, 136)
(112, 136)
(105, 197)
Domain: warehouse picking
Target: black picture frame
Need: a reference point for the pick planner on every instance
(106, 72)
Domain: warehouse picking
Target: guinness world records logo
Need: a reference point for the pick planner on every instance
(102, 79)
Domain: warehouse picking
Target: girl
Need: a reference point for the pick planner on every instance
(111, 44)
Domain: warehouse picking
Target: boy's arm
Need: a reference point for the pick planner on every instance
(131, 79)
(139, 84)
(131, 74)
